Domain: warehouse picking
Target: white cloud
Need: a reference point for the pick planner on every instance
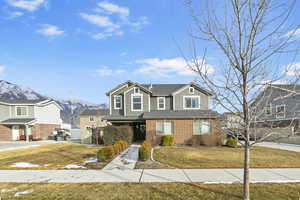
(50, 30)
(104, 35)
(292, 69)
(110, 8)
(167, 67)
(30, 5)
(101, 21)
(124, 53)
(13, 15)
(2, 68)
(293, 33)
(106, 71)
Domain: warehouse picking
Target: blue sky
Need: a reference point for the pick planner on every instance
(81, 49)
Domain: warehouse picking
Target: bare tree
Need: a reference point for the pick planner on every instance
(251, 38)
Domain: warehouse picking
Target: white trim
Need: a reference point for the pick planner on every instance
(181, 89)
(132, 95)
(121, 87)
(183, 102)
(149, 100)
(138, 92)
(115, 102)
(158, 98)
(270, 105)
(173, 102)
(190, 90)
(283, 112)
(27, 111)
(125, 105)
(110, 97)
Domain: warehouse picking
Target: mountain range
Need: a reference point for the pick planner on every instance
(71, 108)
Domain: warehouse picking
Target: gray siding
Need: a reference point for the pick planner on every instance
(146, 102)
(204, 99)
(117, 112)
(4, 112)
(169, 103)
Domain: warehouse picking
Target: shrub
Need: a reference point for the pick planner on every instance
(232, 142)
(102, 155)
(112, 134)
(212, 140)
(167, 140)
(123, 145)
(117, 148)
(145, 151)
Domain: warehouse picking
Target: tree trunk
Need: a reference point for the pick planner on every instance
(247, 172)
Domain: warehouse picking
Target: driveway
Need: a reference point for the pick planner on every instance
(7, 146)
(289, 147)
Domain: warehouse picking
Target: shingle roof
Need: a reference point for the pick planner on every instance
(98, 112)
(21, 101)
(18, 121)
(181, 114)
(163, 89)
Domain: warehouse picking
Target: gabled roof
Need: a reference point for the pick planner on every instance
(161, 89)
(18, 121)
(94, 112)
(22, 101)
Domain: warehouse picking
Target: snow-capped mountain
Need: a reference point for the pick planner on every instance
(71, 108)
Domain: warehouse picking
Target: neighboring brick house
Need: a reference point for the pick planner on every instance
(32, 118)
(90, 121)
(161, 109)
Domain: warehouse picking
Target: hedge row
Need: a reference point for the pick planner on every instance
(145, 151)
(111, 151)
(167, 140)
(112, 134)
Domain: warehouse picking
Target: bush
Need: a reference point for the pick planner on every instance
(232, 142)
(167, 140)
(117, 148)
(145, 151)
(112, 134)
(102, 155)
(212, 140)
(123, 145)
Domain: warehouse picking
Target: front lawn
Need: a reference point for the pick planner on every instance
(157, 191)
(225, 157)
(52, 156)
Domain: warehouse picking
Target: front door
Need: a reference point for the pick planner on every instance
(15, 133)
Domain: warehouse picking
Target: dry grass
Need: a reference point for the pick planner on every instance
(157, 191)
(56, 156)
(224, 157)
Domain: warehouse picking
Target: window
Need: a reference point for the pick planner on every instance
(201, 127)
(166, 128)
(161, 101)
(92, 118)
(268, 110)
(192, 102)
(280, 111)
(136, 102)
(191, 90)
(136, 90)
(21, 111)
(118, 102)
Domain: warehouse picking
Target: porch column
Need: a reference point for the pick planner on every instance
(26, 133)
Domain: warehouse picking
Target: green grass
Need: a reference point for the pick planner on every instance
(163, 191)
(55, 156)
(224, 157)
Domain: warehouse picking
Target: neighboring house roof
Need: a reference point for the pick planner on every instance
(18, 121)
(181, 114)
(161, 89)
(94, 112)
(22, 101)
(124, 118)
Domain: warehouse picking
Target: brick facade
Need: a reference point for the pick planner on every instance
(183, 131)
(38, 131)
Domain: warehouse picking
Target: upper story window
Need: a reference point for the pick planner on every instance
(136, 102)
(268, 110)
(191, 102)
(280, 111)
(92, 118)
(21, 111)
(136, 90)
(118, 102)
(191, 90)
(161, 103)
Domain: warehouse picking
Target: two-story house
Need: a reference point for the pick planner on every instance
(160, 109)
(20, 119)
(90, 122)
(278, 106)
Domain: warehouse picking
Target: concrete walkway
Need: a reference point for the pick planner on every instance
(8, 146)
(126, 160)
(206, 176)
(289, 147)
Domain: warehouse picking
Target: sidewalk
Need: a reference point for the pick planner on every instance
(126, 160)
(206, 176)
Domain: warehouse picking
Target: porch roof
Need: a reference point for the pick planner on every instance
(18, 121)
(181, 114)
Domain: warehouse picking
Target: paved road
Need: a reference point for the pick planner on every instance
(289, 147)
(126, 160)
(206, 176)
(7, 146)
